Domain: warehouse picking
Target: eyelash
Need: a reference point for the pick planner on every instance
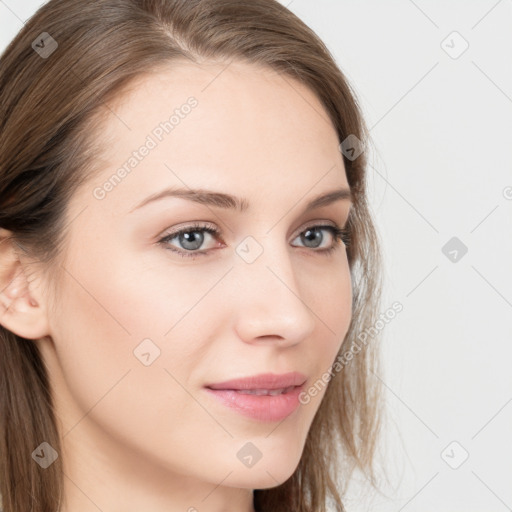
(340, 235)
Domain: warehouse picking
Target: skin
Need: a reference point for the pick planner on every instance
(138, 437)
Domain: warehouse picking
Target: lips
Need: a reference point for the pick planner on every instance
(261, 392)
(265, 382)
(267, 397)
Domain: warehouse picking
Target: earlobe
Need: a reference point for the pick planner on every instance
(20, 311)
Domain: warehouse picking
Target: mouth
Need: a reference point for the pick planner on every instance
(262, 382)
(265, 398)
(264, 392)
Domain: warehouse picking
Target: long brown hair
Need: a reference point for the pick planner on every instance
(49, 104)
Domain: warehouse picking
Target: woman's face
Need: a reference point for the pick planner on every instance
(146, 319)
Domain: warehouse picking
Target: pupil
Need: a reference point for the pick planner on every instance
(191, 241)
(316, 235)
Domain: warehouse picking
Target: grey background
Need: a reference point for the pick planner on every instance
(441, 160)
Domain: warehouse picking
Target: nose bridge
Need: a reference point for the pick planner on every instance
(271, 303)
(267, 258)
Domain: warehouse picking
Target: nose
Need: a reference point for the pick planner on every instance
(270, 305)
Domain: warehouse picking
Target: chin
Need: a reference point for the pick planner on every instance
(266, 475)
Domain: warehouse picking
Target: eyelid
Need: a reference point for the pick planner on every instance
(205, 225)
(189, 226)
(315, 223)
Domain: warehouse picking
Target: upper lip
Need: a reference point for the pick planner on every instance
(262, 381)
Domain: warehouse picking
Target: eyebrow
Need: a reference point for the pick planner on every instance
(227, 201)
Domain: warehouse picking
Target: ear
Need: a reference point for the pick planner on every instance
(21, 308)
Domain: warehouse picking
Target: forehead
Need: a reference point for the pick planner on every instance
(237, 96)
(236, 125)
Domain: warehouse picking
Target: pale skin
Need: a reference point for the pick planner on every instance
(138, 437)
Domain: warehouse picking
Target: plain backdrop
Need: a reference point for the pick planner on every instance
(434, 79)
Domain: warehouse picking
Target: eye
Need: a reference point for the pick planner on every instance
(312, 237)
(191, 238)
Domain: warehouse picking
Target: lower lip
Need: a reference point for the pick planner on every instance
(260, 407)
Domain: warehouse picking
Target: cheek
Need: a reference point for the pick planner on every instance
(328, 294)
(330, 300)
(135, 397)
(119, 313)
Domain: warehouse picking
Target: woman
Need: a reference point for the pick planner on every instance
(187, 259)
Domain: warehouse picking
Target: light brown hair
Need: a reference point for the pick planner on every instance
(49, 118)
